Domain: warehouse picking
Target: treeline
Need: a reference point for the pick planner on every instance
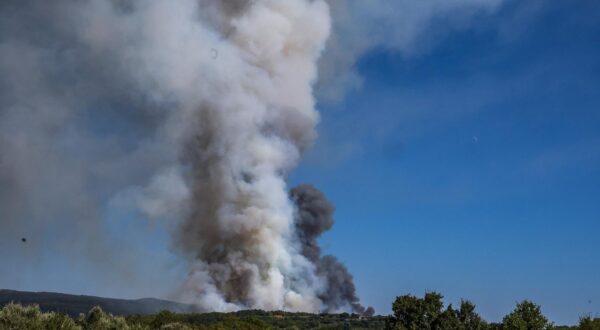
(409, 313)
(14, 316)
(428, 313)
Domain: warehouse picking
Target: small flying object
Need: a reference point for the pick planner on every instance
(23, 239)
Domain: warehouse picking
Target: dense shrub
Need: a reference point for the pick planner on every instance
(13, 316)
(97, 319)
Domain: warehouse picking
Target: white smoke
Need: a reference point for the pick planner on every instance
(247, 132)
(192, 110)
(240, 120)
(211, 100)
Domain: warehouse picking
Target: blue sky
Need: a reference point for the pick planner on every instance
(459, 141)
(472, 167)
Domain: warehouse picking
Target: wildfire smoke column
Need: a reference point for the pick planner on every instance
(190, 112)
(241, 226)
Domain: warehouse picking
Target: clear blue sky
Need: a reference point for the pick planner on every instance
(473, 168)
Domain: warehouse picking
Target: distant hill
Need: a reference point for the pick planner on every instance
(147, 313)
(75, 304)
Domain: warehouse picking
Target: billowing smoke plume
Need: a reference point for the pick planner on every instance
(248, 250)
(194, 111)
(315, 216)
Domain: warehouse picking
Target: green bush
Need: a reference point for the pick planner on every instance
(97, 319)
(13, 316)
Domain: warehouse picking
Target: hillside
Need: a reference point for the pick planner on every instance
(154, 314)
(75, 304)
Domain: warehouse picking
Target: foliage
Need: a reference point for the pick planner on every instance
(13, 316)
(409, 313)
(97, 319)
(526, 316)
(468, 318)
(257, 319)
(588, 323)
(412, 313)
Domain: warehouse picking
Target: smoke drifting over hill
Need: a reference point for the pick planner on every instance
(193, 110)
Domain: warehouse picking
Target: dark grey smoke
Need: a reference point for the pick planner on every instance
(340, 289)
(314, 216)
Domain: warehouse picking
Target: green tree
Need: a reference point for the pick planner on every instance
(526, 316)
(448, 320)
(468, 318)
(414, 313)
(587, 323)
(162, 319)
(427, 313)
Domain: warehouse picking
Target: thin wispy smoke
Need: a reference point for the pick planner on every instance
(407, 27)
